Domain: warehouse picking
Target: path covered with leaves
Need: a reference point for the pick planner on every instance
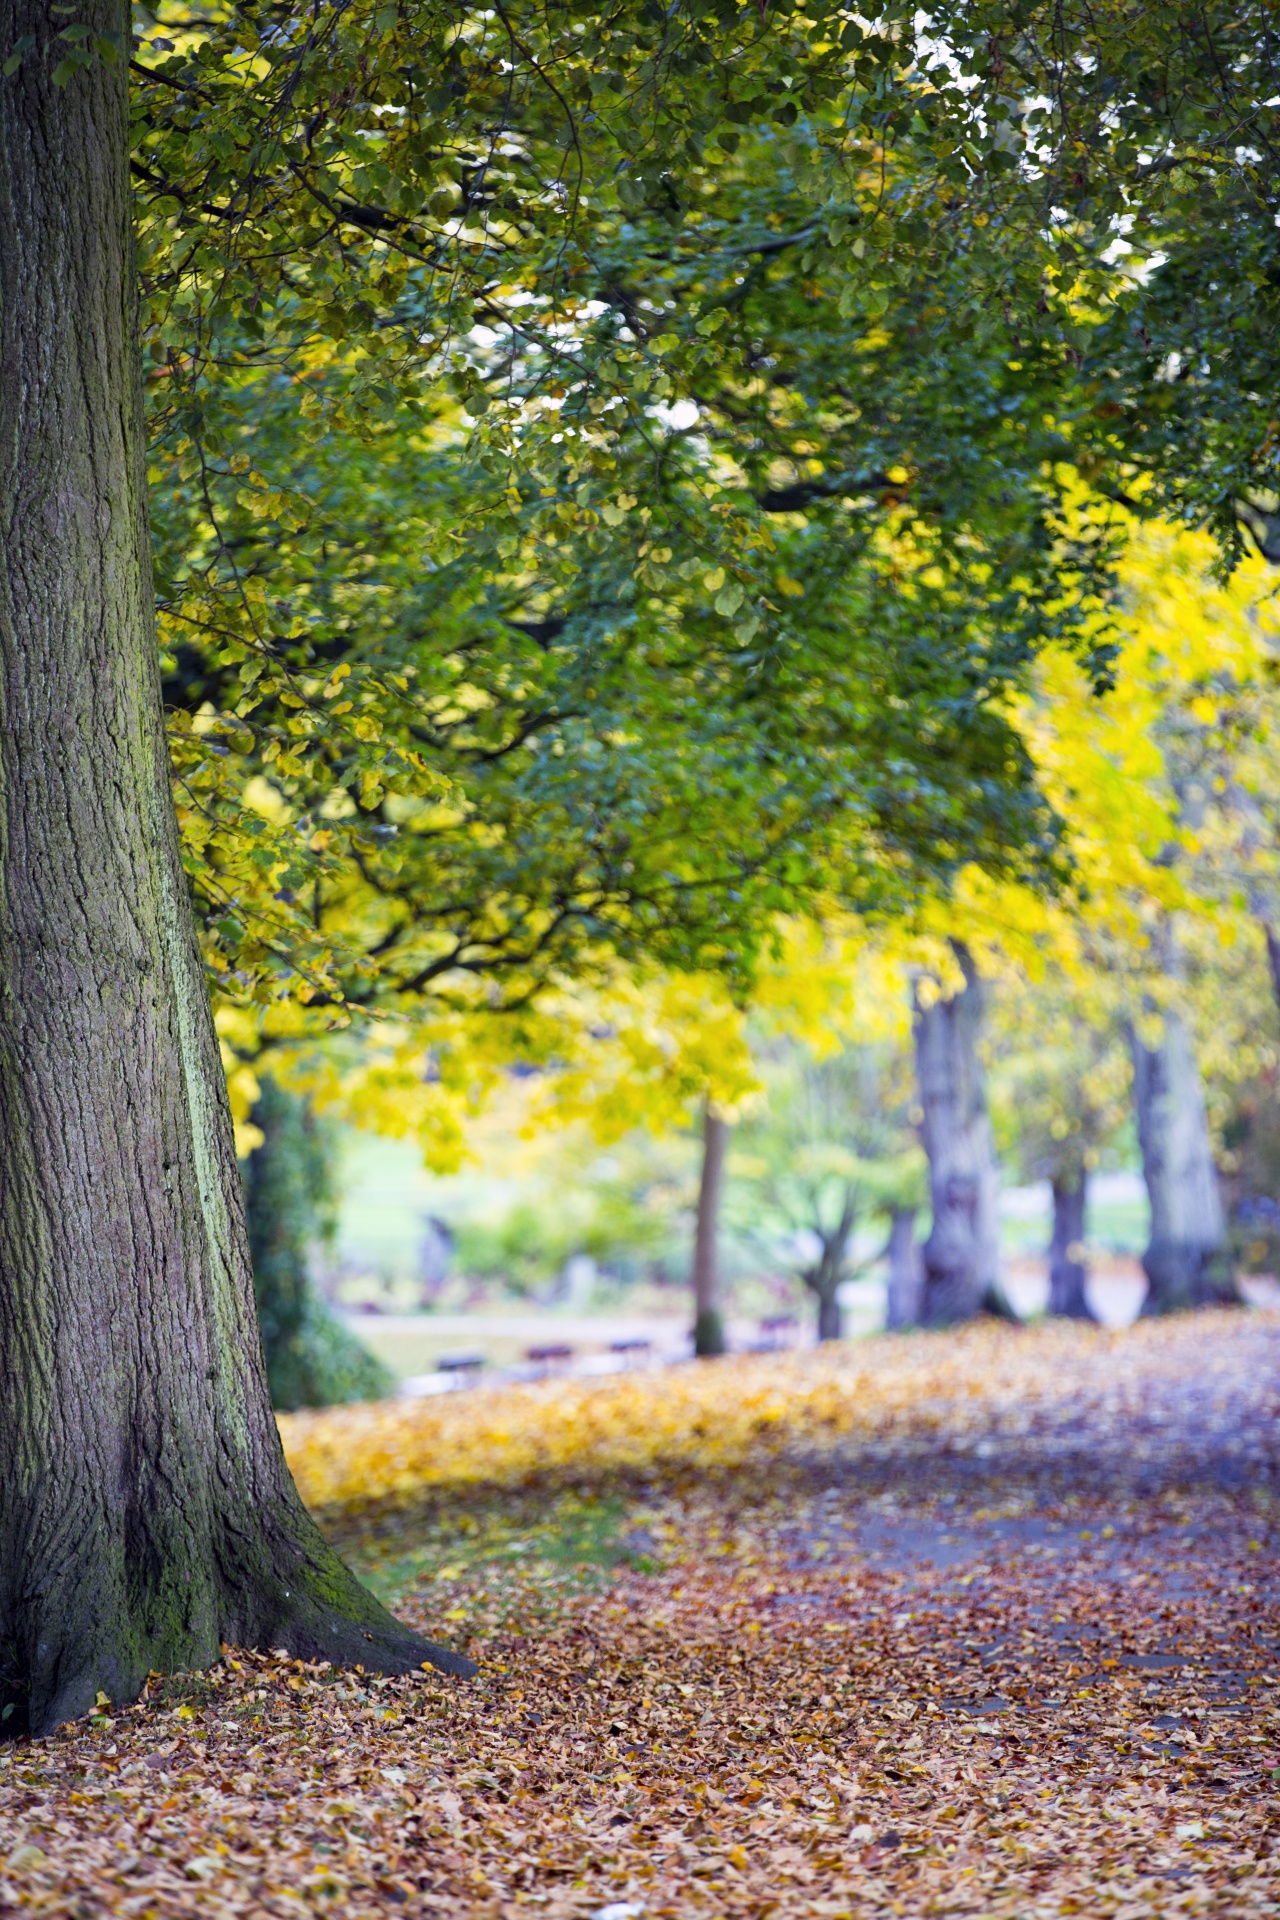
(973, 1624)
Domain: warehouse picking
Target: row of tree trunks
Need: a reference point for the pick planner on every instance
(957, 1272)
(146, 1512)
(1187, 1261)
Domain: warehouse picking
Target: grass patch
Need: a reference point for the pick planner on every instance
(519, 1558)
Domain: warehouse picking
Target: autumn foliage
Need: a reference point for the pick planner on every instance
(977, 1624)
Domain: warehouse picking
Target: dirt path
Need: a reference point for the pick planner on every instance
(1015, 1653)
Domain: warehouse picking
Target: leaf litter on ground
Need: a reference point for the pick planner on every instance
(980, 1623)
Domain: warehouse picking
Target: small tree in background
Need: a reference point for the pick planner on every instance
(312, 1359)
(834, 1147)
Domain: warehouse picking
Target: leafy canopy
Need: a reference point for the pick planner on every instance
(562, 551)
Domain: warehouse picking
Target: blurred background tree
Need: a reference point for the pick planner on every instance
(830, 1151)
(312, 1359)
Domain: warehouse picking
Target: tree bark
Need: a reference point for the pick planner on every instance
(905, 1299)
(1067, 1269)
(146, 1512)
(962, 1253)
(1187, 1260)
(830, 1316)
(708, 1321)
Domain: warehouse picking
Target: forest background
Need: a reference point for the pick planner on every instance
(698, 631)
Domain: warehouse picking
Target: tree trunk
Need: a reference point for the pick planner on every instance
(708, 1322)
(962, 1253)
(1187, 1261)
(1066, 1249)
(830, 1316)
(825, 1279)
(905, 1300)
(146, 1512)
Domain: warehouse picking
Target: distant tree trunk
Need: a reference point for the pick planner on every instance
(146, 1512)
(1066, 1263)
(827, 1277)
(1187, 1261)
(830, 1316)
(962, 1253)
(824, 1282)
(708, 1322)
(905, 1299)
(312, 1359)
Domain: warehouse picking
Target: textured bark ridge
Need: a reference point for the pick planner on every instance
(962, 1253)
(146, 1512)
(1187, 1261)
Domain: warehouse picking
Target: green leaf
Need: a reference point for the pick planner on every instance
(63, 71)
(21, 47)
